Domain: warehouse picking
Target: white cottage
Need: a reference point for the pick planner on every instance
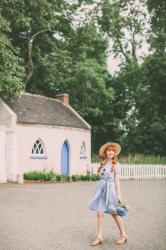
(37, 132)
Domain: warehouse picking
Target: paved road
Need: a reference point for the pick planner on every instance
(55, 216)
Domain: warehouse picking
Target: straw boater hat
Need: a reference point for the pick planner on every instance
(104, 146)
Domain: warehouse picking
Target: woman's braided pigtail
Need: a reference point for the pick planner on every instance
(114, 161)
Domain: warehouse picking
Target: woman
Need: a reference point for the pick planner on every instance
(107, 193)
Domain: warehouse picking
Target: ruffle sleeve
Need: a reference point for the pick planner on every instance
(117, 168)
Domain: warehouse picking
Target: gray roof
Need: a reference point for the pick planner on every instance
(37, 109)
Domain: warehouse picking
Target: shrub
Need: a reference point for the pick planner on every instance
(73, 177)
(95, 177)
(58, 177)
(68, 178)
(52, 175)
(39, 175)
(83, 177)
(33, 175)
(49, 176)
(76, 177)
(45, 176)
(25, 175)
(65, 177)
(88, 177)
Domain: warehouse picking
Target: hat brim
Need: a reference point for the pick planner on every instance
(104, 146)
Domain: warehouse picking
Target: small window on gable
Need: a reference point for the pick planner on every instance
(38, 150)
(83, 151)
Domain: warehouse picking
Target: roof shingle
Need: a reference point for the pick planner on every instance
(37, 109)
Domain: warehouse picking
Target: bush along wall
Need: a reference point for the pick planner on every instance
(54, 177)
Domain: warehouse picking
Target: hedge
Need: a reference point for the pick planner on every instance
(52, 176)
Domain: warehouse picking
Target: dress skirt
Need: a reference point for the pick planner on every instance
(105, 197)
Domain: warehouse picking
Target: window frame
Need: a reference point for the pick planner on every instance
(38, 155)
(83, 154)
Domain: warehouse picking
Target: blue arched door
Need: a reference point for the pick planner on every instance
(65, 159)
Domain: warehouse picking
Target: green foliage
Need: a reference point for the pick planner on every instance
(44, 50)
(143, 159)
(11, 76)
(90, 177)
(58, 177)
(11, 65)
(65, 177)
(33, 175)
(157, 9)
(75, 177)
(83, 177)
(95, 177)
(137, 159)
(26, 40)
(51, 176)
(95, 158)
(40, 175)
(124, 21)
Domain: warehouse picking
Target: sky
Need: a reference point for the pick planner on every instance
(112, 63)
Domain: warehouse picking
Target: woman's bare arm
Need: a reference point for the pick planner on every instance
(117, 185)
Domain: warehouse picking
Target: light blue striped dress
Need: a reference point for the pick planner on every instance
(105, 196)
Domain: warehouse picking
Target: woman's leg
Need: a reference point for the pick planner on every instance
(100, 224)
(120, 224)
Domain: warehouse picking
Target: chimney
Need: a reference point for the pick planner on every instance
(64, 98)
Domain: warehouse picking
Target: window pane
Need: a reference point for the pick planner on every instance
(38, 148)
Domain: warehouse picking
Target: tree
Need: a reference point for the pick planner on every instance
(157, 10)
(11, 65)
(150, 96)
(32, 28)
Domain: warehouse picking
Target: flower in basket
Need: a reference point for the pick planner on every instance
(122, 209)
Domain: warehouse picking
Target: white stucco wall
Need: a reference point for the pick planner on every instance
(7, 116)
(3, 176)
(11, 154)
(8, 121)
(53, 139)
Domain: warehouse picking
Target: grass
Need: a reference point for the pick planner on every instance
(138, 159)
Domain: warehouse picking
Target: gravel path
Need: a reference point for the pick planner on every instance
(55, 216)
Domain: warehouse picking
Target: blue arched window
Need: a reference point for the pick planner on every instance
(38, 150)
(83, 151)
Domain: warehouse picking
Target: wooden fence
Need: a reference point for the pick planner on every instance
(138, 171)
